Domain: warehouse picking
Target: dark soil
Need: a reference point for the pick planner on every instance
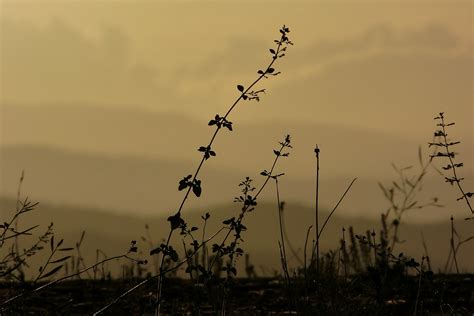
(359, 295)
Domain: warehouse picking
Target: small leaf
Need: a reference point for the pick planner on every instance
(228, 221)
(52, 243)
(240, 88)
(66, 249)
(176, 221)
(50, 273)
(155, 251)
(197, 188)
(270, 70)
(61, 260)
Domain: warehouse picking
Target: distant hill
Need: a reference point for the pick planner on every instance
(346, 151)
(112, 233)
(147, 187)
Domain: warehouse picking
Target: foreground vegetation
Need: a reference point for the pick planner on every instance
(366, 274)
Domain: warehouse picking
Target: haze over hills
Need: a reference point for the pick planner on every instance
(346, 151)
(148, 187)
(112, 233)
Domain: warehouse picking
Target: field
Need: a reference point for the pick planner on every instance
(201, 264)
(440, 295)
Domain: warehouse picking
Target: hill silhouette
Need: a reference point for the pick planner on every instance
(112, 233)
(148, 187)
(347, 151)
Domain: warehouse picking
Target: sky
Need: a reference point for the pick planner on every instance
(380, 67)
(353, 61)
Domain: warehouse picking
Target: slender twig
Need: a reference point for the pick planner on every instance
(305, 262)
(316, 205)
(450, 155)
(8, 301)
(419, 287)
(245, 92)
(179, 264)
(282, 240)
(452, 245)
(345, 253)
(23, 232)
(425, 247)
(335, 207)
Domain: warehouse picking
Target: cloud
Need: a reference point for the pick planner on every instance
(57, 64)
(381, 73)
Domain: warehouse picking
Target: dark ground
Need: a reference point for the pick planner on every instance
(439, 295)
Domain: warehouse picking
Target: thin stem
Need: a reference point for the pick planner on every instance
(335, 207)
(103, 309)
(160, 280)
(419, 287)
(241, 96)
(305, 261)
(453, 165)
(452, 245)
(59, 280)
(345, 252)
(317, 151)
(284, 261)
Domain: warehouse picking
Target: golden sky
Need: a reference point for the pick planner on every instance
(381, 67)
(403, 58)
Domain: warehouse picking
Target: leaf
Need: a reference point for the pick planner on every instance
(276, 152)
(240, 88)
(66, 249)
(270, 70)
(175, 221)
(173, 255)
(52, 243)
(60, 243)
(272, 51)
(228, 221)
(61, 260)
(50, 273)
(155, 251)
(197, 188)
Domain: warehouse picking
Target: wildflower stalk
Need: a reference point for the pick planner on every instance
(142, 283)
(316, 205)
(46, 285)
(452, 245)
(191, 182)
(284, 261)
(236, 226)
(446, 145)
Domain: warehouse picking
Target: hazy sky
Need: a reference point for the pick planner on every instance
(380, 67)
(354, 63)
